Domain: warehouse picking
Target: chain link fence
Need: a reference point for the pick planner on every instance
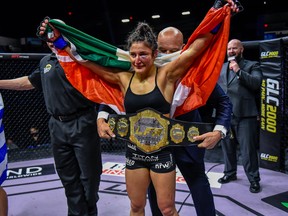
(25, 116)
(24, 110)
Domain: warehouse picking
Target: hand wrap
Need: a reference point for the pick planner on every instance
(45, 37)
(60, 43)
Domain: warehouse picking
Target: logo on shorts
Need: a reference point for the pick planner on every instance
(132, 146)
(166, 165)
(129, 162)
(146, 158)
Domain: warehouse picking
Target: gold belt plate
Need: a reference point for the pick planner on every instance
(149, 131)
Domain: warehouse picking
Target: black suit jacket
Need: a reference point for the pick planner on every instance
(222, 105)
(218, 108)
(243, 88)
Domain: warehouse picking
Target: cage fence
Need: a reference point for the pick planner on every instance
(25, 116)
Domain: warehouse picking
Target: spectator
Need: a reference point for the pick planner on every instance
(241, 80)
(36, 139)
(11, 144)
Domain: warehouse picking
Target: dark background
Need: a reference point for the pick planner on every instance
(102, 18)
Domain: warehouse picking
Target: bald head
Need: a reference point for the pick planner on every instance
(170, 40)
(235, 48)
(236, 42)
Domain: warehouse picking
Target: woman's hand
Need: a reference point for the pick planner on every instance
(47, 32)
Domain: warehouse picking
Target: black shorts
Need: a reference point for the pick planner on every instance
(162, 161)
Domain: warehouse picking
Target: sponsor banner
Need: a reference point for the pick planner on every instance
(30, 171)
(271, 118)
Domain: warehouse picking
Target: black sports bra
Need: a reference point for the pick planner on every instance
(153, 99)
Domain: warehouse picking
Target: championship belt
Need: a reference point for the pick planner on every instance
(151, 131)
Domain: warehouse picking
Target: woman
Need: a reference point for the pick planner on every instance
(148, 87)
(156, 85)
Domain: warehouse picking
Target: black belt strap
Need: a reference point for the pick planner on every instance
(150, 131)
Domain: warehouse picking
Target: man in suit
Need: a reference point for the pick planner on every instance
(190, 160)
(241, 80)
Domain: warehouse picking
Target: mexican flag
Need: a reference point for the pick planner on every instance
(192, 90)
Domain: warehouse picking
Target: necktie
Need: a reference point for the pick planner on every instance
(230, 75)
